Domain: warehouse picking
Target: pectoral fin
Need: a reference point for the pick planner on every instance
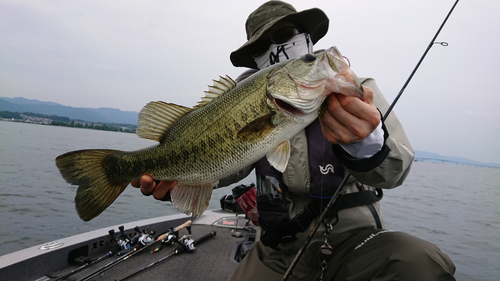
(192, 200)
(279, 156)
(257, 129)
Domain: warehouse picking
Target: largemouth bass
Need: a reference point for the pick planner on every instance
(233, 126)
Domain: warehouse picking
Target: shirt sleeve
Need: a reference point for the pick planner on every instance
(390, 166)
(367, 147)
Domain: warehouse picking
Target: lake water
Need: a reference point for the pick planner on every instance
(454, 207)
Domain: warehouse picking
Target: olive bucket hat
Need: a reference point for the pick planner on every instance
(313, 21)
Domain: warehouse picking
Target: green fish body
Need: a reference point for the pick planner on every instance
(233, 126)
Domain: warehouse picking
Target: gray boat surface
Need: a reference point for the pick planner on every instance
(213, 259)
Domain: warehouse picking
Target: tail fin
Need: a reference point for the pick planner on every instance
(96, 189)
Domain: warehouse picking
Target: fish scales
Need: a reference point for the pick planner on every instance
(233, 127)
(214, 133)
(208, 131)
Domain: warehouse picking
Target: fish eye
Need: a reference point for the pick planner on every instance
(308, 58)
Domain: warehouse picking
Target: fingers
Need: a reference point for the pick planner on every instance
(149, 187)
(368, 95)
(148, 184)
(348, 119)
(335, 132)
(163, 188)
(347, 105)
(136, 183)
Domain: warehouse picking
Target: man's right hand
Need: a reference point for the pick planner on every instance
(148, 186)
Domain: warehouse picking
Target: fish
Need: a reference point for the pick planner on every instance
(232, 127)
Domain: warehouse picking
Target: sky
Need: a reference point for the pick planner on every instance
(124, 54)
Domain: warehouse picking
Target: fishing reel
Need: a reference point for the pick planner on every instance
(173, 236)
(126, 244)
(141, 239)
(188, 243)
(123, 241)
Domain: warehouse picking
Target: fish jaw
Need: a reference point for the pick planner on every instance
(309, 82)
(345, 80)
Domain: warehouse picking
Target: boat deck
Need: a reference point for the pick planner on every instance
(209, 259)
(212, 259)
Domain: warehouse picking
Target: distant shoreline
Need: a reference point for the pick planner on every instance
(79, 127)
(459, 163)
(54, 120)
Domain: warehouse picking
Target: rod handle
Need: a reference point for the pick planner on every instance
(186, 224)
(205, 237)
(164, 236)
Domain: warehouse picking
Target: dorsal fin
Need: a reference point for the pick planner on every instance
(156, 117)
(224, 85)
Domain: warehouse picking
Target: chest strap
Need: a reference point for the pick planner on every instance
(301, 222)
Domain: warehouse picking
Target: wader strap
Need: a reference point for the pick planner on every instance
(361, 198)
(345, 201)
(301, 222)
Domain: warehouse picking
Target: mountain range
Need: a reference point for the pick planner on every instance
(102, 115)
(113, 115)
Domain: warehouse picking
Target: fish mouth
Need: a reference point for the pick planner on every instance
(345, 80)
(307, 98)
(298, 107)
(288, 107)
(310, 92)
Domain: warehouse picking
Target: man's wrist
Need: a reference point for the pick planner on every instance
(367, 147)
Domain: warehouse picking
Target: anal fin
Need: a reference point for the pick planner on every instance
(192, 200)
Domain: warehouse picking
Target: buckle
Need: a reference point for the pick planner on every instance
(303, 219)
(288, 238)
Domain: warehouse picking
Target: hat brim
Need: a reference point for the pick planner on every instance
(313, 21)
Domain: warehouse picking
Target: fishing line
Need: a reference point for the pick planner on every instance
(342, 184)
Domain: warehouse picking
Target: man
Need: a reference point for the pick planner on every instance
(349, 137)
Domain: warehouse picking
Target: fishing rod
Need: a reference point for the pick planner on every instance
(93, 262)
(88, 264)
(433, 41)
(188, 245)
(122, 241)
(344, 181)
(135, 250)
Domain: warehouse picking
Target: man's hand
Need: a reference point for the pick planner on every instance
(149, 187)
(349, 120)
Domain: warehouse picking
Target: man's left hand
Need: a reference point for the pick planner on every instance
(348, 119)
